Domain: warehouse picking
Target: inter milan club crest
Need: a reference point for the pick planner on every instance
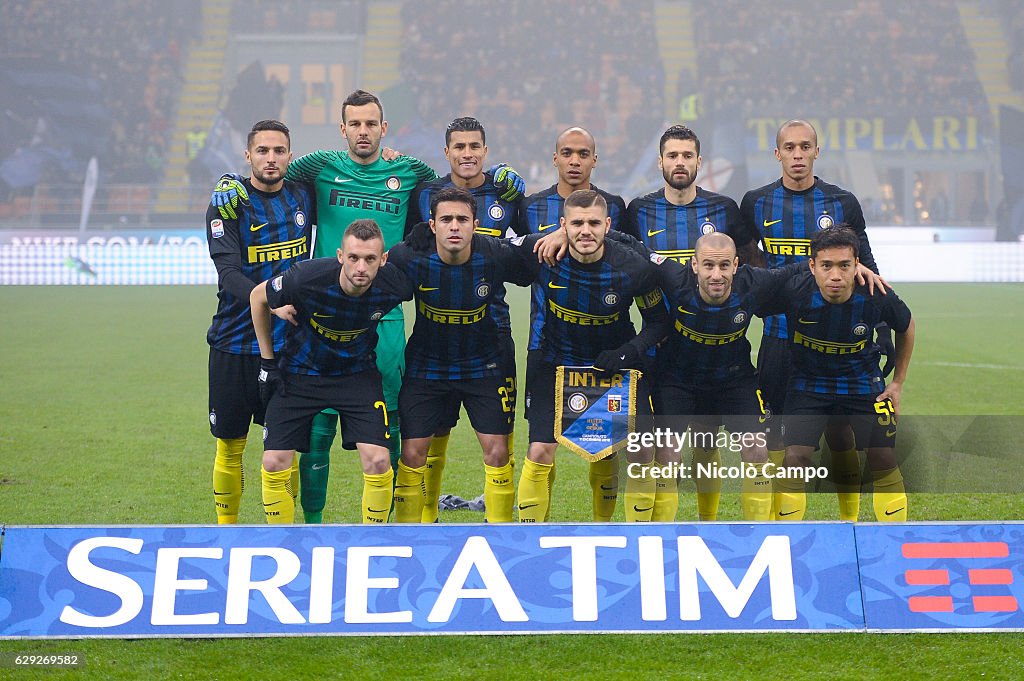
(578, 402)
(393, 183)
(825, 221)
(707, 227)
(377, 315)
(611, 298)
(860, 329)
(483, 289)
(496, 211)
(740, 317)
(300, 219)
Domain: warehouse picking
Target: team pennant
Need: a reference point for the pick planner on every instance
(595, 411)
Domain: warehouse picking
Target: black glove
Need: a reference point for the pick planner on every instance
(883, 339)
(269, 380)
(622, 357)
(420, 237)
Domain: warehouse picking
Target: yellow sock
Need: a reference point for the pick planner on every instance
(639, 497)
(535, 491)
(846, 474)
(604, 486)
(378, 491)
(666, 500)
(437, 456)
(409, 494)
(776, 457)
(499, 493)
(551, 488)
(709, 487)
(790, 499)
(756, 495)
(278, 499)
(293, 481)
(228, 479)
(890, 496)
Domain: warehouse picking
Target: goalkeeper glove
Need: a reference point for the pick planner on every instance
(622, 357)
(269, 380)
(228, 194)
(883, 338)
(507, 179)
(420, 238)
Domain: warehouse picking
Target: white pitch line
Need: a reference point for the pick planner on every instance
(968, 365)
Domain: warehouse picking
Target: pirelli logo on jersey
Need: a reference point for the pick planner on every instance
(284, 250)
(649, 300)
(443, 316)
(681, 256)
(581, 318)
(828, 347)
(788, 246)
(708, 338)
(351, 199)
(337, 336)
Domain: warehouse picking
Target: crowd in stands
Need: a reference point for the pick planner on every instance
(299, 16)
(844, 58)
(132, 50)
(528, 68)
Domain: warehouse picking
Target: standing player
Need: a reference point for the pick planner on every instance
(458, 352)
(465, 147)
(835, 375)
(575, 158)
(268, 235)
(787, 213)
(328, 362)
(582, 318)
(670, 221)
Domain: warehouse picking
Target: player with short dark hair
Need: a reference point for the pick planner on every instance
(787, 213)
(458, 352)
(582, 318)
(670, 221)
(836, 376)
(575, 157)
(496, 214)
(270, 233)
(328, 362)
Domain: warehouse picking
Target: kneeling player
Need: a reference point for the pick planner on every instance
(328, 362)
(835, 371)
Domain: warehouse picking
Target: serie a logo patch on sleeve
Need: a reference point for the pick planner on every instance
(595, 411)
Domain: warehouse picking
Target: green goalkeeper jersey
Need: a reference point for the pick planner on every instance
(347, 191)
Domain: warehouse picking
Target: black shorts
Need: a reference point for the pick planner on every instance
(774, 367)
(358, 399)
(873, 423)
(737, 405)
(234, 396)
(509, 392)
(540, 399)
(424, 406)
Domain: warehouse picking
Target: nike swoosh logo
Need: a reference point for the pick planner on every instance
(339, 180)
(609, 489)
(526, 506)
(321, 314)
(650, 233)
(319, 466)
(890, 433)
(541, 228)
(423, 288)
(807, 321)
(685, 311)
(220, 494)
(641, 510)
(769, 224)
(272, 503)
(896, 511)
(374, 510)
(256, 228)
(788, 512)
(553, 285)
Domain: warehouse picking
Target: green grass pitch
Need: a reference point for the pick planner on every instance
(103, 421)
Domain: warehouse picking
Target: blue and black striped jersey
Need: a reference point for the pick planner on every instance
(496, 218)
(708, 344)
(271, 233)
(336, 333)
(672, 231)
(540, 213)
(832, 348)
(787, 219)
(456, 334)
(583, 308)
